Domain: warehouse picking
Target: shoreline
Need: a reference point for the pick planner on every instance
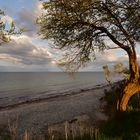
(51, 97)
(37, 116)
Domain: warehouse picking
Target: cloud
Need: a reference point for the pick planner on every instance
(110, 58)
(27, 52)
(26, 18)
(22, 50)
(7, 18)
(8, 58)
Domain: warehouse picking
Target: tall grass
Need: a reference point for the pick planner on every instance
(70, 133)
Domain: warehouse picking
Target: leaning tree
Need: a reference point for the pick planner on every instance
(82, 27)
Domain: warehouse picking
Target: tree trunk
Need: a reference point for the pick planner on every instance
(133, 85)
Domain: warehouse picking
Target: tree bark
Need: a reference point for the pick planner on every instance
(133, 85)
(129, 91)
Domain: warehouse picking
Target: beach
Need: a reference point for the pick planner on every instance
(37, 117)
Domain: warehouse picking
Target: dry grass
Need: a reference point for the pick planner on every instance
(13, 127)
(66, 131)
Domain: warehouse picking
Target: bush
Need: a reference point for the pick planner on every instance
(122, 125)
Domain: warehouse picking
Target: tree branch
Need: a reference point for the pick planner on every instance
(119, 25)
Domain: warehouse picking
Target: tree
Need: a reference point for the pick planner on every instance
(7, 30)
(82, 27)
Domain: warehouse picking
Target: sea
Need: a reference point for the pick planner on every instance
(26, 87)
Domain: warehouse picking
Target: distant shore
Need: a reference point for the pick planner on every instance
(38, 115)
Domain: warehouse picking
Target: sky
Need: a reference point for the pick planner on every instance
(29, 53)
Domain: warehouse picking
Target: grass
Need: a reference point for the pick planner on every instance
(125, 126)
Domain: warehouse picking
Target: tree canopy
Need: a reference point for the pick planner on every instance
(82, 27)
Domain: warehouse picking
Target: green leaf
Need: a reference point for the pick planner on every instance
(12, 24)
(3, 26)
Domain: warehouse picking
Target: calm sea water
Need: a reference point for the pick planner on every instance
(20, 87)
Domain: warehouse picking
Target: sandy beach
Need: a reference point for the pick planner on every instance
(38, 116)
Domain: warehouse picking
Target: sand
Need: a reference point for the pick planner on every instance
(36, 117)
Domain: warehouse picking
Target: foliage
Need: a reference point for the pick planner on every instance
(125, 125)
(80, 28)
(6, 30)
(115, 93)
(107, 73)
